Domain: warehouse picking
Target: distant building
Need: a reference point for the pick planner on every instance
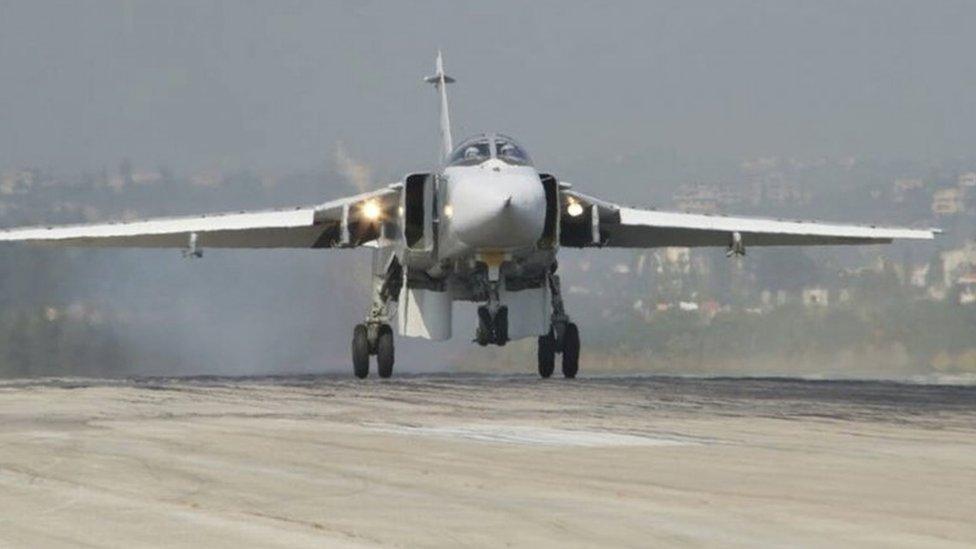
(966, 282)
(770, 299)
(948, 201)
(784, 192)
(711, 198)
(145, 177)
(17, 182)
(760, 165)
(677, 255)
(919, 275)
(815, 297)
(967, 179)
(844, 295)
(957, 263)
(968, 295)
(710, 308)
(697, 198)
(967, 277)
(206, 178)
(903, 187)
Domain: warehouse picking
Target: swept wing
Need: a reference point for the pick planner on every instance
(345, 222)
(602, 223)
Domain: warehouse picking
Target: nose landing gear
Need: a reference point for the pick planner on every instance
(492, 328)
(492, 317)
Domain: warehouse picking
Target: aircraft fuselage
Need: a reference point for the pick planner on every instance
(490, 208)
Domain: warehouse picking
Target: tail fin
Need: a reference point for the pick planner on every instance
(440, 81)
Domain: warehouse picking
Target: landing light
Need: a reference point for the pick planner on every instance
(448, 211)
(371, 210)
(575, 209)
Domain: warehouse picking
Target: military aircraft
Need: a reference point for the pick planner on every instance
(484, 226)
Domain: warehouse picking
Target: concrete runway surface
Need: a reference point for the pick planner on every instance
(435, 461)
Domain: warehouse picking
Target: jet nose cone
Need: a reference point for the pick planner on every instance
(498, 213)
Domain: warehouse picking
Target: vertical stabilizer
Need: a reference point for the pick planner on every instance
(440, 81)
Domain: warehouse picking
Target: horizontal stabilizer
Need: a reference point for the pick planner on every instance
(435, 79)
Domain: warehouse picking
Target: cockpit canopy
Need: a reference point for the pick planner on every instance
(477, 149)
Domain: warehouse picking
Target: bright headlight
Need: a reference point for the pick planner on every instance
(575, 209)
(371, 210)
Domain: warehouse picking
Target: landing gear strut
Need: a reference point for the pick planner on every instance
(563, 337)
(492, 319)
(375, 336)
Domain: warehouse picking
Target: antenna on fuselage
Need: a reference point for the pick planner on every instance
(440, 81)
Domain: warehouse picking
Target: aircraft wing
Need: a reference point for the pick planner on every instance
(600, 223)
(346, 222)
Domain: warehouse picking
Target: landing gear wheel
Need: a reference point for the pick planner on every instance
(501, 326)
(360, 351)
(571, 350)
(547, 355)
(483, 335)
(384, 352)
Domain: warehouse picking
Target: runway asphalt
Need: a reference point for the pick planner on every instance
(486, 461)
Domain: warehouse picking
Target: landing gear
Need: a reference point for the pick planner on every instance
(360, 351)
(375, 336)
(571, 350)
(492, 328)
(379, 343)
(568, 345)
(547, 355)
(563, 338)
(384, 351)
(493, 316)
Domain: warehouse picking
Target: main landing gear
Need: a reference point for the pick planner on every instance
(365, 344)
(568, 347)
(375, 336)
(563, 338)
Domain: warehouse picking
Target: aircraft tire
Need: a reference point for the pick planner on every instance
(483, 334)
(360, 351)
(384, 352)
(571, 351)
(547, 355)
(501, 326)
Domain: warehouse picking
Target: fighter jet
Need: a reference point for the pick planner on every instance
(484, 226)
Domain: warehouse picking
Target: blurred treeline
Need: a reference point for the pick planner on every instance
(898, 337)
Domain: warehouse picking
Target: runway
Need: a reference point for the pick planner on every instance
(434, 461)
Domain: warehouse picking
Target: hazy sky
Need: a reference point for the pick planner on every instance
(275, 85)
